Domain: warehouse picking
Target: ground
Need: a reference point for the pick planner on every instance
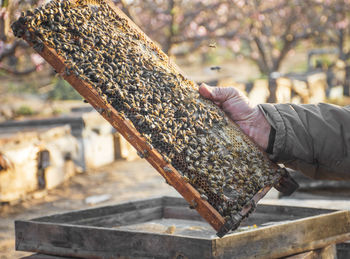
(124, 181)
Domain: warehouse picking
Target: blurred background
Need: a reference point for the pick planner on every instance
(273, 50)
(250, 44)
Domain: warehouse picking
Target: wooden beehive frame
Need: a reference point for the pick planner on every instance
(125, 127)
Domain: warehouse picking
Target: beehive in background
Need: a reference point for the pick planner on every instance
(35, 159)
(133, 84)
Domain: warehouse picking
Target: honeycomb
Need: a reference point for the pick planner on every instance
(135, 77)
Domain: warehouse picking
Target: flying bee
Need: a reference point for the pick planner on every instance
(217, 68)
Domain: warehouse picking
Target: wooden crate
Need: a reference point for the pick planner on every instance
(167, 228)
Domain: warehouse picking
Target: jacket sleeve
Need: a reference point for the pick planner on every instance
(314, 139)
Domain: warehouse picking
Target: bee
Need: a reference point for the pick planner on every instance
(217, 68)
(39, 46)
(67, 71)
(193, 204)
(186, 179)
(204, 197)
(167, 159)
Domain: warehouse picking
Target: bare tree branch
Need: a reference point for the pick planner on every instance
(261, 51)
(16, 72)
(171, 31)
(10, 49)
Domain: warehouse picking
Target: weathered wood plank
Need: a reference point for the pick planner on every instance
(306, 255)
(71, 238)
(95, 242)
(173, 207)
(263, 213)
(43, 256)
(267, 213)
(173, 201)
(181, 213)
(133, 206)
(122, 219)
(292, 210)
(286, 239)
(328, 252)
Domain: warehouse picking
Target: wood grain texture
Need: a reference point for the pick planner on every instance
(328, 252)
(98, 242)
(100, 212)
(281, 240)
(306, 255)
(43, 256)
(301, 230)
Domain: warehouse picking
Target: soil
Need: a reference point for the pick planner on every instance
(124, 181)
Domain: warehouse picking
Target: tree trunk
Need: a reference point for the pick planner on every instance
(168, 44)
(2, 28)
(272, 88)
(343, 57)
(346, 86)
(4, 20)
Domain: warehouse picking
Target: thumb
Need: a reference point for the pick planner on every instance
(217, 94)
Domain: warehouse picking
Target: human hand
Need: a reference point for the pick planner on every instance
(249, 118)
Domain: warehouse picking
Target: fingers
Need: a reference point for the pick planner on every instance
(205, 91)
(231, 100)
(239, 109)
(217, 94)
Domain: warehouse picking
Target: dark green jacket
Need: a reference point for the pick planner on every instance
(313, 139)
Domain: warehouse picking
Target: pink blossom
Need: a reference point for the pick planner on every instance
(342, 24)
(37, 60)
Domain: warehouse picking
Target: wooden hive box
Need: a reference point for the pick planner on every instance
(166, 227)
(33, 160)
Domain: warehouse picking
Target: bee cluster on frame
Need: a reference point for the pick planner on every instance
(191, 133)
